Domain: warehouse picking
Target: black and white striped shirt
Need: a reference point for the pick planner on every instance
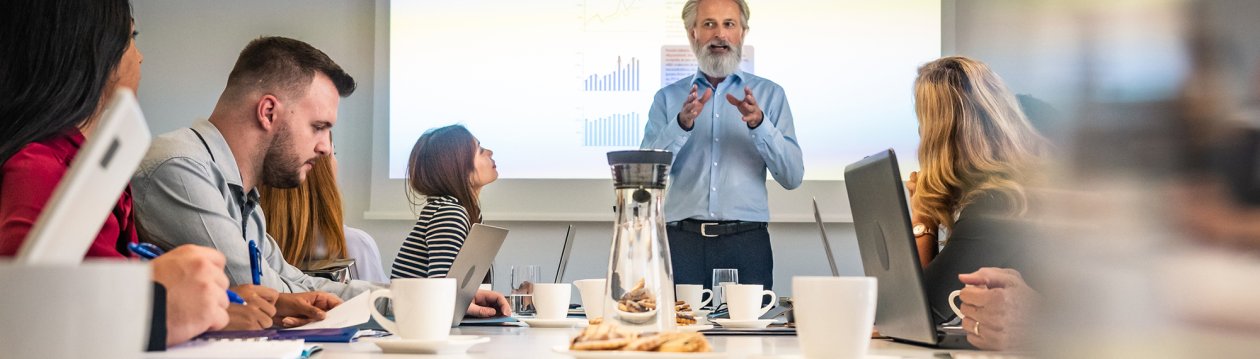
(435, 240)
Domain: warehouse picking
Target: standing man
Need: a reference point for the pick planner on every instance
(716, 206)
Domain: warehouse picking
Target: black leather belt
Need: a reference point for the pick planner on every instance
(716, 228)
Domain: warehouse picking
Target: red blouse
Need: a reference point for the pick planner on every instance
(27, 181)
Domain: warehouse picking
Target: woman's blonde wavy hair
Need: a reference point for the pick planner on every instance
(298, 217)
(974, 139)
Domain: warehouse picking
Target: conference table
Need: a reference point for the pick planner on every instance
(525, 342)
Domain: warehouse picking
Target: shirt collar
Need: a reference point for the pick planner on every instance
(223, 158)
(702, 80)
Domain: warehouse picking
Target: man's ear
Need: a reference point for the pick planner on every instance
(268, 107)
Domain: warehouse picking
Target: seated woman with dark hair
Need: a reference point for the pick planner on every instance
(448, 167)
(62, 60)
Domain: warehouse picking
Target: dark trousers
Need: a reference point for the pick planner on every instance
(694, 256)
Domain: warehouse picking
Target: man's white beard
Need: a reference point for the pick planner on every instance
(716, 65)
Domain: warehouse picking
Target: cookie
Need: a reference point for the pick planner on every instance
(685, 343)
(684, 319)
(647, 343)
(607, 344)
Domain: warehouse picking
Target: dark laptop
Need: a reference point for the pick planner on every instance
(822, 232)
(881, 217)
(564, 253)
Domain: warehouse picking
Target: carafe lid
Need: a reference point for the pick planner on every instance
(640, 168)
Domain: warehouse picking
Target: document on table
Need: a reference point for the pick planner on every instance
(350, 313)
(234, 349)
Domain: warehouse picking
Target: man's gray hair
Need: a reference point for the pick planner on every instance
(689, 13)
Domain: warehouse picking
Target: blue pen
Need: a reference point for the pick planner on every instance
(149, 251)
(255, 262)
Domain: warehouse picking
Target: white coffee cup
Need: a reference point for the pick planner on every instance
(423, 307)
(744, 301)
(957, 311)
(834, 315)
(693, 295)
(592, 292)
(97, 309)
(551, 300)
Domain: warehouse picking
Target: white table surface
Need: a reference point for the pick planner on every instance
(524, 342)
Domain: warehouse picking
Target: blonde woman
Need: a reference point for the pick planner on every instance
(976, 152)
(307, 223)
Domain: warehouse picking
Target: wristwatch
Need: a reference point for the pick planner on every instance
(921, 229)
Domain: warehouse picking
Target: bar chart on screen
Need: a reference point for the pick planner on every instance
(615, 130)
(625, 77)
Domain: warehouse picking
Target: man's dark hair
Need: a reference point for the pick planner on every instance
(285, 66)
(56, 57)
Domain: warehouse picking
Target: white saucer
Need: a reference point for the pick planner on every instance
(694, 327)
(744, 324)
(617, 354)
(455, 344)
(638, 318)
(555, 323)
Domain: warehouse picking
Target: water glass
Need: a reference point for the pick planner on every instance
(722, 277)
(522, 296)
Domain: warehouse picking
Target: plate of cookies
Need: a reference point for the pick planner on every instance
(610, 341)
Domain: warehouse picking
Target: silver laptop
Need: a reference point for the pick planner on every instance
(472, 263)
(881, 218)
(87, 194)
(564, 253)
(822, 232)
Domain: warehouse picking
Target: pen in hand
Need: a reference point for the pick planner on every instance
(149, 251)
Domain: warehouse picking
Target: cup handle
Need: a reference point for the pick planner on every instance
(704, 302)
(954, 295)
(774, 302)
(376, 314)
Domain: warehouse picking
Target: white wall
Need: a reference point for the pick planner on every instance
(190, 46)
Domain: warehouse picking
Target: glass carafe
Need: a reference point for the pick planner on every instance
(640, 287)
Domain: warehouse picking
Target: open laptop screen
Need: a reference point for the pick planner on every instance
(881, 218)
(87, 194)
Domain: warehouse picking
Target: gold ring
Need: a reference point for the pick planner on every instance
(976, 328)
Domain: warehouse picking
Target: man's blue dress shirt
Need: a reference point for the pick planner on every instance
(719, 170)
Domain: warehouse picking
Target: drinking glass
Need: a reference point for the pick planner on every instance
(722, 277)
(522, 296)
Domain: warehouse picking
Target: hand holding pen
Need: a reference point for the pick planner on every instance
(149, 251)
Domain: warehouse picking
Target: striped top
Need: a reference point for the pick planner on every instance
(431, 247)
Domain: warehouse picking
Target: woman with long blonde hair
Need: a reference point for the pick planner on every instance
(977, 153)
(307, 223)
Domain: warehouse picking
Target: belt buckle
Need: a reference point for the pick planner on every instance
(704, 230)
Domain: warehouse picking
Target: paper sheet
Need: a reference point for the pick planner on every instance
(350, 313)
(232, 349)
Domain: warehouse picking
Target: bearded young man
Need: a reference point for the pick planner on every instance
(198, 185)
(716, 206)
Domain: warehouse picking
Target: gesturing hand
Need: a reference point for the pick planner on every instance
(691, 108)
(748, 108)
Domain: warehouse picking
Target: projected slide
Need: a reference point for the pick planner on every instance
(553, 85)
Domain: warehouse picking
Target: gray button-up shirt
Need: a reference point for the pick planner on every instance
(188, 191)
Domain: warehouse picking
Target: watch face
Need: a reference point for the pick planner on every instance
(919, 229)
